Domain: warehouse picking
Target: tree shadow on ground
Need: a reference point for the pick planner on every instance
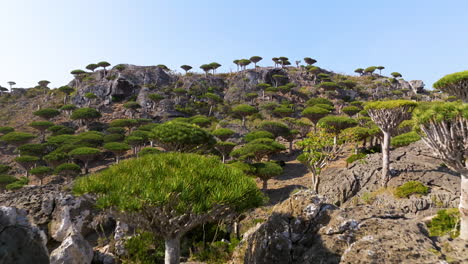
(276, 196)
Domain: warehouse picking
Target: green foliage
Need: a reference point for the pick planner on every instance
(55, 158)
(318, 100)
(391, 104)
(267, 170)
(223, 133)
(66, 89)
(451, 79)
(155, 97)
(132, 105)
(144, 248)
(396, 74)
(218, 252)
(283, 111)
(41, 125)
(258, 134)
(47, 113)
(4, 168)
(116, 130)
(177, 136)
(77, 72)
(85, 113)
(409, 188)
(17, 138)
(243, 166)
(201, 121)
(370, 69)
(114, 138)
(355, 157)
(119, 67)
(439, 111)
(351, 110)
(6, 179)
(68, 107)
(329, 86)
(67, 169)
(84, 152)
(41, 171)
(335, 124)
(175, 175)
(244, 110)
(314, 113)
(116, 147)
(446, 222)
(103, 64)
(123, 123)
(148, 151)
(5, 130)
(405, 139)
(37, 150)
(275, 128)
(257, 149)
(60, 130)
(17, 184)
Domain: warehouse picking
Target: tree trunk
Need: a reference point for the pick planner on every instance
(385, 158)
(86, 167)
(117, 159)
(463, 207)
(335, 141)
(243, 121)
(224, 158)
(263, 95)
(172, 254)
(265, 185)
(211, 109)
(316, 185)
(291, 147)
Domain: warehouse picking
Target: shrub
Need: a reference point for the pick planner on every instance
(5, 130)
(355, 157)
(17, 184)
(61, 130)
(223, 133)
(116, 130)
(148, 151)
(4, 168)
(409, 188)
(47, 113)
(405, 139)
(17, 138)
(144, 248)
(6, 179)
(113, 138)
(446, 222)
(85, 114)
(318, 100)
(258, 134)
(177, 136)
(67, 169)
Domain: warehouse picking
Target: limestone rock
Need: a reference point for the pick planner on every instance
(20, 242)
(73, 250)
(417, 86)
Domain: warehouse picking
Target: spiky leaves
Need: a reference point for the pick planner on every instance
(192, 190)
(455, 84)
(182, 137)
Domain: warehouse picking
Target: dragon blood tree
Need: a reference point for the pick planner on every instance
(444, 128)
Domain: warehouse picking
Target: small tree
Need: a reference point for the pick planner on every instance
(206, 68)
(276, 128)
(91, 97)
(182, 137)
(181, 202)
(244, 63)
(92, 67)
(85, 115)
(314, 114)
(455, 84)
(319, 149)
(309, 61)
(67, 170)
(214, 66)
(223, 133)
(67, 90)
(258, 149)
(276, 61)
(41, 172)
(85, 154)
(126, 123)
(118, 149)
(335, 124)
(351, 110)
(370, 70)
(380, 68)
(5, 130)
(43, 83)
(265, 171)
(132, 106)
(224, 147)
(243, 111)
(263, 86)
(11, 84)
(103, 64)
(251, 136)
(41, 126)
(255, 60)
(387, 115)
(27, 162)
(186, 68)
(236, 62)
(156, 98)
(443, 127)
(17, 138)
(68, 109)
(213, 99)
(396, 75)
(47, 113)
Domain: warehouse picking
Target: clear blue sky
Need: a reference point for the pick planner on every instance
(422, 39)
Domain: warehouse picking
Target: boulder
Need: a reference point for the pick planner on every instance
(73, 250)
(417, 86)
(20, 241)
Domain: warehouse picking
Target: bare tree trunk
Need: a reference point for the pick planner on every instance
(224, 158)
(463, 207)
(316, 184)
(117, 159)
(243, 121)
(86, 167)
(211, 109)
(172, 253)
(385, 158)
(265, 185)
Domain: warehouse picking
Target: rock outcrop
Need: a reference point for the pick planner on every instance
(20, 241)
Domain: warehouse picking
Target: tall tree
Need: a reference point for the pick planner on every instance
(244, 63)
(86, 115)
(43, 83)
(243, 111)
(396, 75)
(255, 60)
(186, 68)
(236, 62)
(455, 84)
(92, 67)
(314, 114)
(104, 65)
(67, 90)
(85, 154)
(309, 61)
(206, 68)
(370, 70)
(443, 127)
(380, 68)
(266, 171)
(180, 204)
(11, 83)
(387, 115)
(214, 66)
(359, 70)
